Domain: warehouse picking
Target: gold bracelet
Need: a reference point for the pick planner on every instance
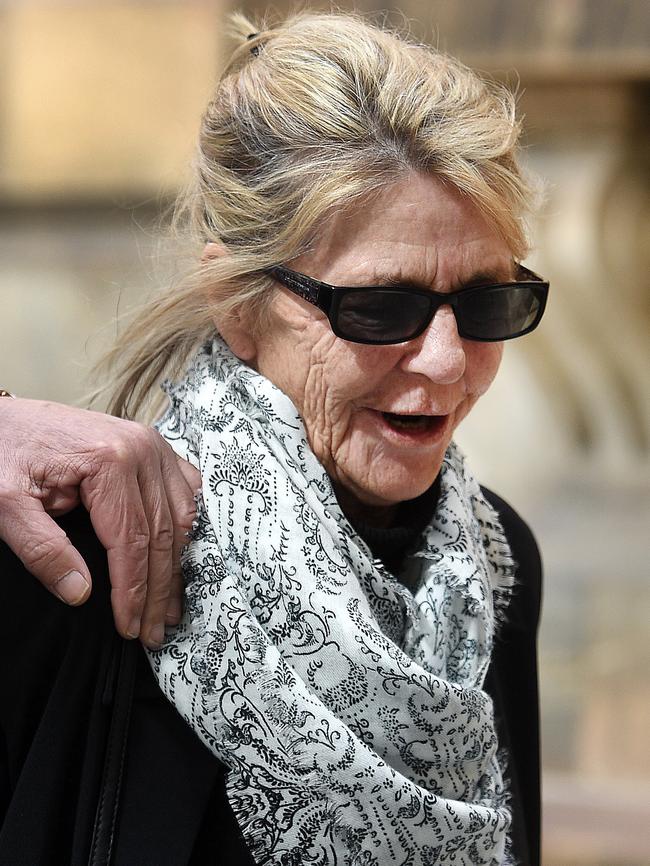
(4, 393)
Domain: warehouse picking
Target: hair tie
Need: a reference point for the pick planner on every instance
(255, 50)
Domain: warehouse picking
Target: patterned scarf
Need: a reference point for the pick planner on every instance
(349, 711)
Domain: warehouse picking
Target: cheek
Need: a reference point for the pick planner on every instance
(284, 347)
(339, 375)
(483, 364)
(300, 356)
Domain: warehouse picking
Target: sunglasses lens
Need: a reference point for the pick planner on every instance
(498, 313)
(381, 316)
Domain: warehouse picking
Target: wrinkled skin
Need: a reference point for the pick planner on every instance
(140, 497)
(421, 232)
(139, 494)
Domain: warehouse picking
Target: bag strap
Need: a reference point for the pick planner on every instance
(101, 848)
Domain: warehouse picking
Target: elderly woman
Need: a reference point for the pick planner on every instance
(357, 644)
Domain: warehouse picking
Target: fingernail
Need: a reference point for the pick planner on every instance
(174, 611)
(157, 635)
(134, 628)
(72, 587)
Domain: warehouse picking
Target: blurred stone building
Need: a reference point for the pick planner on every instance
(99, 106)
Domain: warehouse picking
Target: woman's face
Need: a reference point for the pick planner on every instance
(419, 232)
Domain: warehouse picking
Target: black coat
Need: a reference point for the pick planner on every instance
(59, 674)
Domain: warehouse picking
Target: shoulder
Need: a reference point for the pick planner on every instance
(512, 682)
(525, 552)
(518, 532)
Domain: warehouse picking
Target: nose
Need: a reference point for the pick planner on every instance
(439, 353)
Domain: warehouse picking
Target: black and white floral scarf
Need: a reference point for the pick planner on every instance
(349, 711)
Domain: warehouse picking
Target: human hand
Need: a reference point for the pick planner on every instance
(139, 494)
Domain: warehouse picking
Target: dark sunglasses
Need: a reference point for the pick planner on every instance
(380, 315)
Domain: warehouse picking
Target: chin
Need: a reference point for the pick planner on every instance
(395, 485)
(385, 466)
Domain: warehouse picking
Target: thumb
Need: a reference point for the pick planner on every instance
(45, 550)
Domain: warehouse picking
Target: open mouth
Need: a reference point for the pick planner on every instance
(414, 423)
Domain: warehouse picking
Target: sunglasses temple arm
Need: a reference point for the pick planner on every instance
(309, 291)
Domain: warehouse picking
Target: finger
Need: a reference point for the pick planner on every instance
(119, 520)
(180, 490)
(45, 550)
(190, 473)
(60, 500)
(161, 543)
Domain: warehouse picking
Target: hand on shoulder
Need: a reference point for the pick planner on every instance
(139, 494)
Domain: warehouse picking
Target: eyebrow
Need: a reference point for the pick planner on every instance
(488, 277)
(479, 278)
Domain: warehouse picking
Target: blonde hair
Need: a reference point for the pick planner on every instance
(310, 115)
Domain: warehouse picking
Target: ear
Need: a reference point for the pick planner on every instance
(234, 327)
(213, 251)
